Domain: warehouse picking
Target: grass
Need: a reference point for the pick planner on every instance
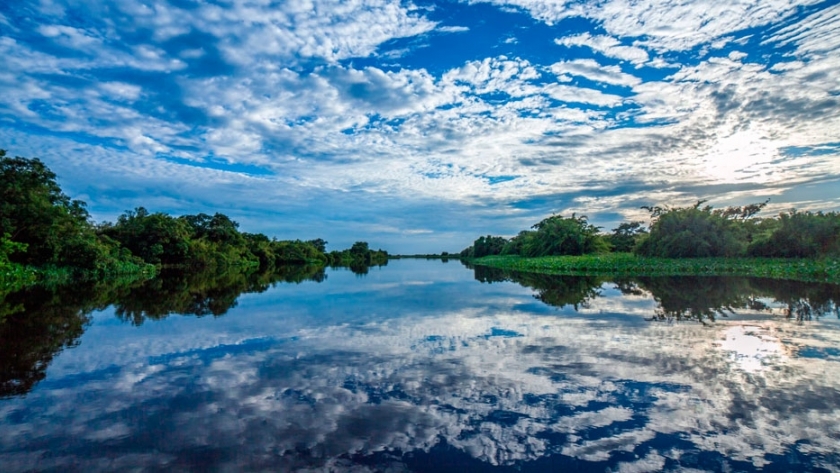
(625, 264)
(14, 277)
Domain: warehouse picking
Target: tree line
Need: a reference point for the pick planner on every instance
(696, 231)
(40, 226)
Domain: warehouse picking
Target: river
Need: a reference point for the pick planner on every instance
(423, 366)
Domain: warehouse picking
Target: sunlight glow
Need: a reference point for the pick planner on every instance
(740, 156)
(751, 350)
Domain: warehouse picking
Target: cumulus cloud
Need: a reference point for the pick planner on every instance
(304, 96)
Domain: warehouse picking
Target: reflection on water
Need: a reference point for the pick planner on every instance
(681, 298)
(418, 367)
(39, 322)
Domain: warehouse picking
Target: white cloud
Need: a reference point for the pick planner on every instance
(675, 25)
(606, 45)
(571, 94)
(453, 29)
(300, 91)
(495, 75)
(594, 71)
(819, 33)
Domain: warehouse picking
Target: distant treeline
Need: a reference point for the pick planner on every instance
(678, 232)
(42, 227)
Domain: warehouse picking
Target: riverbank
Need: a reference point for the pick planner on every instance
(14, 277)
(625, 264)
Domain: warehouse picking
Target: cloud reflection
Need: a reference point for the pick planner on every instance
(473, 385)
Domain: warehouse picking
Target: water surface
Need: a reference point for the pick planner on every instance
(423, 366)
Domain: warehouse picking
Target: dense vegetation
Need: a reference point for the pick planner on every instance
(678, 232)
(818, 270)
(41, 227)
(554, 235)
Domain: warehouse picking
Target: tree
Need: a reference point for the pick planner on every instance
(319, 244)
(557, 235)
(489, 245)
(801, 235)
(157, 238)
(35, 212)
(626, 236)
(694, 232)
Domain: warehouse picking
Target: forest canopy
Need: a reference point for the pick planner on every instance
(40, 226)
(697, 231)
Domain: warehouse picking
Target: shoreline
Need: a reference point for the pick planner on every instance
(625, 264)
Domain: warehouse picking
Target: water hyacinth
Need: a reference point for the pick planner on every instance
(822, 270)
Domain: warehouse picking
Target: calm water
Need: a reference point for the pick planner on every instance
(423, 366)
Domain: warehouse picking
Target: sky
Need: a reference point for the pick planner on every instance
(418, 126)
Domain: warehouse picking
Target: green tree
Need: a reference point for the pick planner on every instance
(626, 236)
(801, 235)
(54, 230)
(157, 238)
(488, 245)
(696, 232)
(557, 235)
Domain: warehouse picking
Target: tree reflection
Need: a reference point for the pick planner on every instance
(804, 301)
(705, 298)
(558, 291)
(698, 298)
(39, 322)
(203, 293)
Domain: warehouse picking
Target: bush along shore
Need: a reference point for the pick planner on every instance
(695, 240)
(625, 264)
(45, 236)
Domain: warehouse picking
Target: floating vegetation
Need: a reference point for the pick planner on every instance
(822, 270)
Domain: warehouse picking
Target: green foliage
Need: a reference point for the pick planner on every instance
(517, 244)
(554, 235)
(157, 238)
(695, 232)
(689, 232)
(42, 227)
(358, 257)
(733, 232)
(34, 212)
(557, 235)
(800, 235)
(626, 236)
(7, 247)
(824, 270)
(489, 245)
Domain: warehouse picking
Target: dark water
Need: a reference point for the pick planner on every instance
(422, 366)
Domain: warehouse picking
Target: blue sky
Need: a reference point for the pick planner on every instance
(418, 126)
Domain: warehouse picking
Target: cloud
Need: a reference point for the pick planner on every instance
(475, 365)
(453, 29)
(815, 34)
(606, 45)
(302, 101)
(593, 71)
(663, 25)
